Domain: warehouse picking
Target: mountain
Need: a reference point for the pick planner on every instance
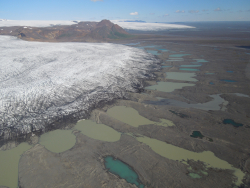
(80, 32)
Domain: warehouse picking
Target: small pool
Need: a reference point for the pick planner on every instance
(190, 65)
(153, 52)
(175, 60)
(196, 134)
(230, 71)
(58, 141)
(232, 122)
(201, 60)
(194, 175)
(168, 86)
(186, 76)
(179, 55)
(123, 170)
(228, 80)
(211, 83)
(186, 69)
(163, 50)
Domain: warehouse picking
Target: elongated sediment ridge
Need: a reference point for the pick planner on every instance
(42, 83)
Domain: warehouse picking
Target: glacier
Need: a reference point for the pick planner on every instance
(125, 25)
(41, 83)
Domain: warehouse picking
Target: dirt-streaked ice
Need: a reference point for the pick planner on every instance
(41, 83)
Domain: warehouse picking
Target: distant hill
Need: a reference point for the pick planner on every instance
(80, 32)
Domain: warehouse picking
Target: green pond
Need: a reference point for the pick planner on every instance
(97, 131)
(153, 52)
(179, 154)
(166, 66)
(187, 69)
(181, 76)
(179, 55)
(175, 59)
(162, 148)
(197, 134)
(190, 65)
(124, 171)
(195, 176)
(218, 103)
(58, 141)
(168, 86)
(208, 73)
(131, 117)
(201, 61)
(9, 160)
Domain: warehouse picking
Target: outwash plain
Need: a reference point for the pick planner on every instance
(169, 108)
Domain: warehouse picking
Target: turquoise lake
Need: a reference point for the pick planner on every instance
(201, 60)
(186, 69)
(124, 171)
(153, 52)
(190, 65)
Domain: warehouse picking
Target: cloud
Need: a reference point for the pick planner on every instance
(134, 13)
(96, 0)
(204, 10)
(193, 11)
(180, 11)
(217, 9)
(166, 15)
(152, 13)
(248, 10)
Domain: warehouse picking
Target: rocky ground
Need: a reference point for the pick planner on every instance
(83, 165)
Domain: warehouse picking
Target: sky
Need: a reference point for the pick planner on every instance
(146, 10)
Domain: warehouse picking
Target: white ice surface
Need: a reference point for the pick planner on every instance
(41, 82)
(149, 26)
(124, 25)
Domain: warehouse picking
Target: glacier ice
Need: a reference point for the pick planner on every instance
(41, 83)
(141, 26)
(125, 25)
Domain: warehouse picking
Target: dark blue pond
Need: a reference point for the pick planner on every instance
(211, 83)
(197, 134)
(230, 71)
(232, 122)
(228, 80)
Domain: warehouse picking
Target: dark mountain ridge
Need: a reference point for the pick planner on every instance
(80, 32)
